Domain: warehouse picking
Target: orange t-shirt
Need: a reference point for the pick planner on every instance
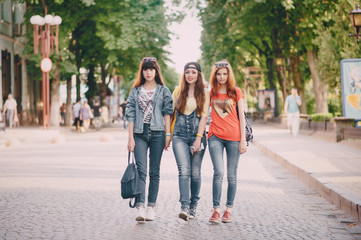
(225, 123)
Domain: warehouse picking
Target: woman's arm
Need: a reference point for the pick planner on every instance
(167, 111)
(202, 124)
(201, 128)
(131, 115)
(131, 142)
(242, 124)
(167, 131)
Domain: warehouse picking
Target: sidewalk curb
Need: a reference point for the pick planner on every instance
(334, 194)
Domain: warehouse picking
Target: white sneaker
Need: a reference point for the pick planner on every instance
(140, 214)
(150, 214)
(184, 214)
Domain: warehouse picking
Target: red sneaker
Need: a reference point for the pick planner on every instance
(215, 217)
(227, 217)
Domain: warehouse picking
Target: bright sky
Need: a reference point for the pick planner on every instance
(185, 45)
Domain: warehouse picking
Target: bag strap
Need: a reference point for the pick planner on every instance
(131, 157)
(235, 94)
(136, 199)
(132, 160)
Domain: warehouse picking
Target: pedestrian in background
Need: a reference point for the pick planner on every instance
(191, 104)
(76, 113)
(124, 106)
(97, 120)
(292, 111)
(148, 111)
(226, 131)
(11, 111)
(85, 115)
(62, 113)
(104, 114)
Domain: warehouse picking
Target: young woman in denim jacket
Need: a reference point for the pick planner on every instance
(148, 111)
(226, 131)
(189, 141)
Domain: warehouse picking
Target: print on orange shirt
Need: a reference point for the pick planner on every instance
(222, 108)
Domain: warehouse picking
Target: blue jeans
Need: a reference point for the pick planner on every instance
(189, 170)
(155, 141)
(216, 147)
(189, 166)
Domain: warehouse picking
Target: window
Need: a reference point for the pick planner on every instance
(6, 11)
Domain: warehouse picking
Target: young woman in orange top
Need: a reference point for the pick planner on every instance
(226, 131)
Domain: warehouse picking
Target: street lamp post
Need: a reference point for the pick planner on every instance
(355, 16)
(47, 41)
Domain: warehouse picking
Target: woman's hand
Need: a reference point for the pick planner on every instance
(131, 144)
(242, 147)
(167, 142)
(196, 145)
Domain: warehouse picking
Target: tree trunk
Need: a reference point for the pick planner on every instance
(281, 81)
(55, 104)
(297, 80)
(78, 86)
(270, 73)
(69, 106)
(91, 84)
(271, 80)
(320, 88)
(103, 88)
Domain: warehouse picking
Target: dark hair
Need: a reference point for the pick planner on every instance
(144, 65)
(199, 93)
(197, 66)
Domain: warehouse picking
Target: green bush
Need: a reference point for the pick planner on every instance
(320, 117)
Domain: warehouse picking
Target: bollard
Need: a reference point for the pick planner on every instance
(326, 120)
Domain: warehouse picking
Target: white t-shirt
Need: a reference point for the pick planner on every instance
(145, 101)
(10, 104)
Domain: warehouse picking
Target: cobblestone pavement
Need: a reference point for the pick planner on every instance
(72, 191)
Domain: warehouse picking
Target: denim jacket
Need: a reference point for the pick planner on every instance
(162, 105)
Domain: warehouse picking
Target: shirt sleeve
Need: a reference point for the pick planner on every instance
(130, 108)
(239, 94)
(167, 102)
(287, 99)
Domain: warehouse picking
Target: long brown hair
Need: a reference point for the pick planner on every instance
(231, 81)
(148, 64)
(199, 93)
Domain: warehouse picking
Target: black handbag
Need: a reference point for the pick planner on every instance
(130, 182)
(249, 131)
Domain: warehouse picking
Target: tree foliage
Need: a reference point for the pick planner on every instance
(108, 37)
(307, 38)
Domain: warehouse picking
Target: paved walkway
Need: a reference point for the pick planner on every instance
(71, 190)
(333, 169)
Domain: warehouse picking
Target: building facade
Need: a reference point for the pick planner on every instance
(13, 64)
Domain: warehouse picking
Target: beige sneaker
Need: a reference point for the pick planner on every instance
(140, 214)
(150, 214)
